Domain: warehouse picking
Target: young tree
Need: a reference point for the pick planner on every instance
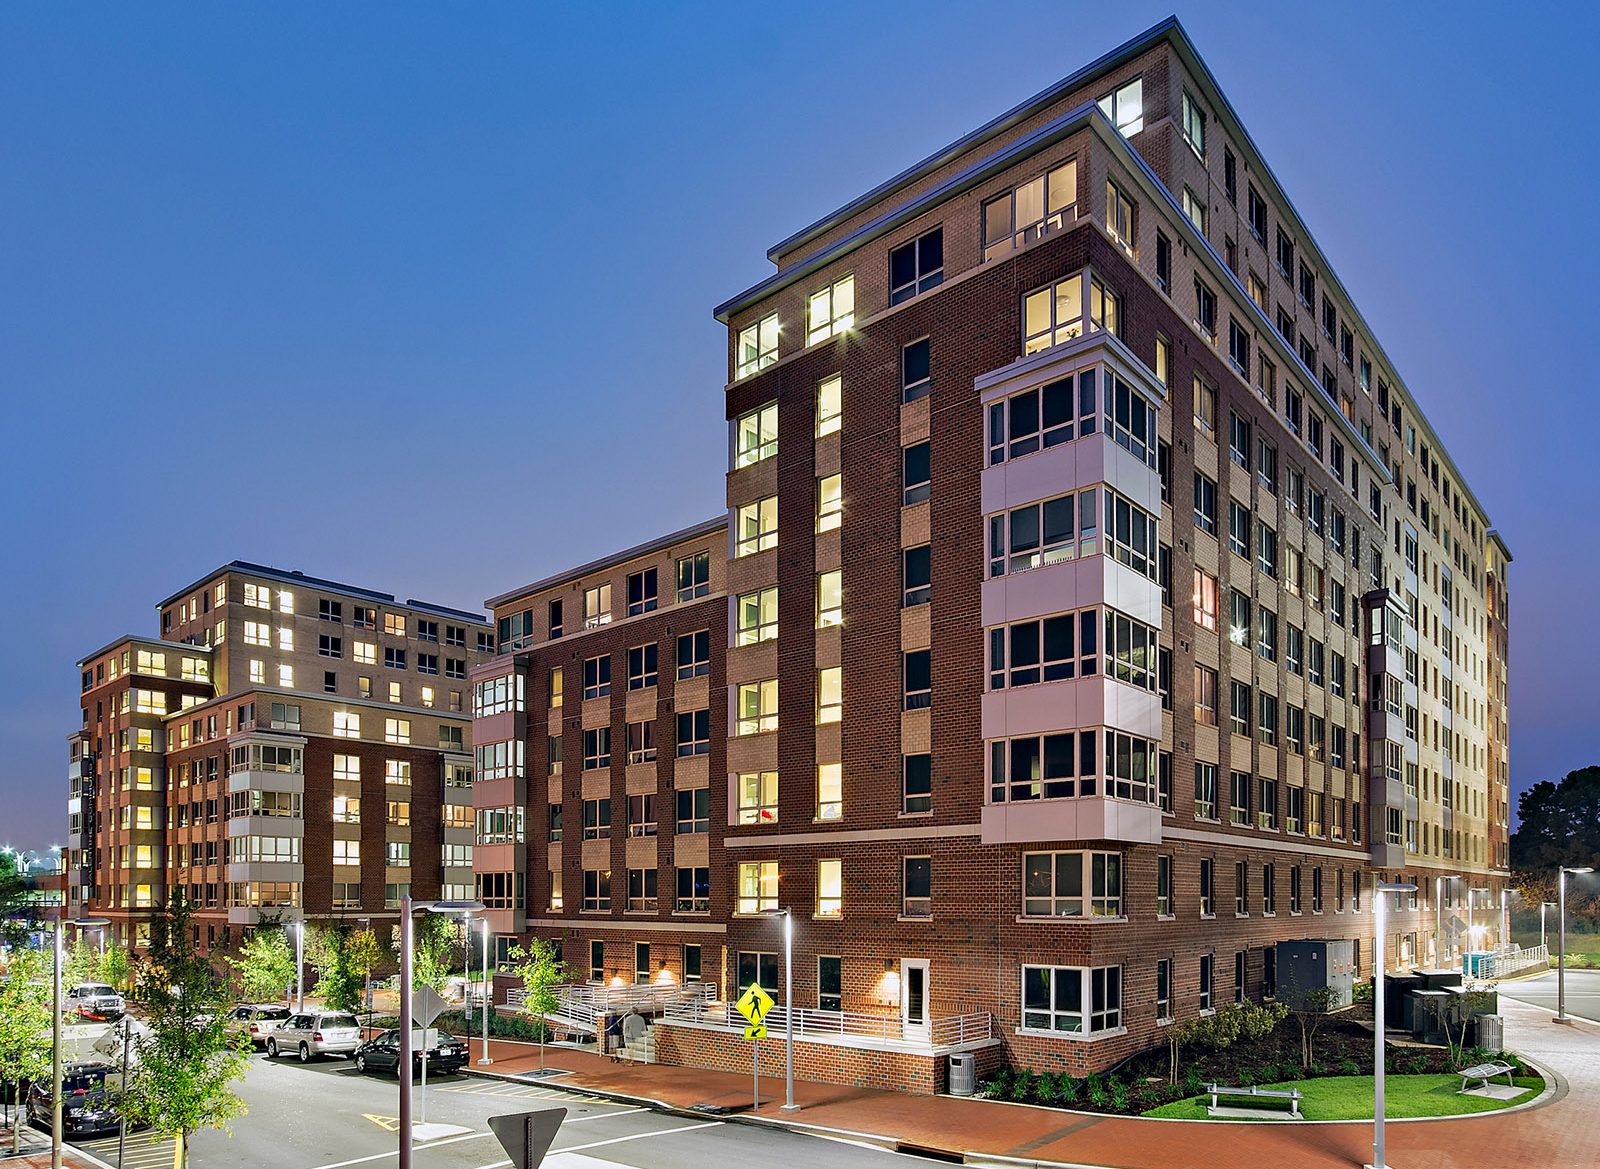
(433, 958)
(187, 1061)
(330, 957)
(541, 969)
(264, 965)
(363, 952)
(80, 963)
(1310, 1008)
(115, 965)
(24, 1026)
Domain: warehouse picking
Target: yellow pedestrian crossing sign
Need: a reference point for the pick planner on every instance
(754, 1004)
(756, 1031)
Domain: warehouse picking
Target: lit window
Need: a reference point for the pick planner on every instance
(830, 599)
(1195, 209)
(830, 694)
(286, 677)
(394, 624)
(757, 617)
(286, 639)
(758, 887)
(830, 404)
(366, 653)
(756, 526)
(831, 310)
(347, 725)
(1034, 210)
(830, 502)
(257, 633)
(1125, 107)
(757, 707)
(758, 345)
(597, 606)
(1119, 216)
(755, 436)
(830, 791)
(830, 888)
(758, 797)
(1052, 315)
(1077, 1001)
(397, 730)
(258, 672)
(1194, 125)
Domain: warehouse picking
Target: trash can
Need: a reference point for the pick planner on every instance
(1491, 1032)
(963, 1073)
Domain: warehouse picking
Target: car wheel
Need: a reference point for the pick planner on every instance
(305, 1053)
(272, 1049)
(361, 1064)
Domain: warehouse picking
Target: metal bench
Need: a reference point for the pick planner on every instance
(1218, 1091)
(1482, 1073)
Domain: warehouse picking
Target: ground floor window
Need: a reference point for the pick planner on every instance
(758, 966)
(830, 984)
(1080, 1001)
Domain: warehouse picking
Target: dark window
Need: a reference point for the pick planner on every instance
(694, 811)
(918, 783)
(916, 477)
(919, 679)
(917, 266)
(1163, 262)
(1230, 176)
(694, 732)
(830, 985)
(918, 881)
(918, 575)
(694, 654)
(555, 620)
(694, 576)
(641, 592)
(642, 671)
(760, 968)
(915, 377)
(1258, 215)
(330, 610)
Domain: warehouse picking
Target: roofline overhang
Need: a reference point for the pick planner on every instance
(704, 527)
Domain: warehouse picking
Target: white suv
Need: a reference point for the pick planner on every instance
(96, 1000)
(315, 1033)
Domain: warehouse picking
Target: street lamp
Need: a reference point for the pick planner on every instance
(788, 1006)
(299, 965)
(1561, 930)
(1379, 904)
(366, 924)
(488, 992)
(1543, 905)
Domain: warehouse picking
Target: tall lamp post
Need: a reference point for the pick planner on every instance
(1561, 931)
(1379, 906)
(488, 993)
(299, 966)
(788, 1006)
(408, 909)
(1543, 905)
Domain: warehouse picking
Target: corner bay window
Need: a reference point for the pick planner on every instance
(1069, 763)
(1070, 999)
(1032, 211)
(1053, 884)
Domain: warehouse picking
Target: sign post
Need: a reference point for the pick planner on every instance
(754, 1004)
(527, 1136)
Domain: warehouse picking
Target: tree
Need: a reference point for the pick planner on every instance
(364, 952)
(18, 906)
(433, 957)
(80, 964)
(1310, 1008)
(1558, 824)
(24, 1025)
(264, 965)
(541, 970)
(115, 965)
(336, 981)
(187, 1062)
(1459, 1011)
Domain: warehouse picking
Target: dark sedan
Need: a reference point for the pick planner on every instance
(88, 1102)
(381, 1053)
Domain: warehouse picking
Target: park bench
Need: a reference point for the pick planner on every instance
(1482, 1073)
(1257, 1096)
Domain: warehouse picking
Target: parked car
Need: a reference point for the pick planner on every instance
(382, 1054)
(88, 1102)
(315, 1033)
(255, 1020)
(96, 1000)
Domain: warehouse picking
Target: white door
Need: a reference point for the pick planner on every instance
(914, 999)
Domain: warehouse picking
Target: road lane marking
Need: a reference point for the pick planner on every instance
(663, 1132)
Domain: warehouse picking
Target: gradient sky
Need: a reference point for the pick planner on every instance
(383, 292)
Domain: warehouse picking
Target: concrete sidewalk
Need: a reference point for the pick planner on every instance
(1563, 1130)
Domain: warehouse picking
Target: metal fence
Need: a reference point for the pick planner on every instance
(1506, 962)
(811, 1023)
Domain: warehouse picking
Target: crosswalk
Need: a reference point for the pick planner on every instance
(141, 1151)
(505, 1091)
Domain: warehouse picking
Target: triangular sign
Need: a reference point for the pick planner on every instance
(426, 1006)
(527, 1136)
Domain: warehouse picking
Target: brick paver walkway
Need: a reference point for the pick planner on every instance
(1565, 1131)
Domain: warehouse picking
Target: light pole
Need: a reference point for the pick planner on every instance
(1379, 903)
(1543, 905)
(1561, 932)
(404, 1068)
(484, 1060)
(55, 1038)
(788, 1007)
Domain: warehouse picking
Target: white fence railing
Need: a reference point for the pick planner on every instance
(1510, 961)
(810, 1023)
(587, 1003)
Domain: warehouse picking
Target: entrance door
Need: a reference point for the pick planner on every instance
(914, 999)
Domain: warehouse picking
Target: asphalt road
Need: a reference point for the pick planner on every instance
(1583, 992)
(327, 1116)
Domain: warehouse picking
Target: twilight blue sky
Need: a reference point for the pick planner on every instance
(368, 289)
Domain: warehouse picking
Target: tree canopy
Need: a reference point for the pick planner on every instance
(1559, 824)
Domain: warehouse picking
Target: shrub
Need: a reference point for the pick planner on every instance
(1119, 1095)
(1193, 1081)
(1068, 1088)
(1022, 1086)
(1097, 1090)
(1044, 1088)
(1247, 1076)
(1349, 1067)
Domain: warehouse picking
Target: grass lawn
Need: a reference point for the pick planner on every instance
(1581, 948)
(1350, 1098)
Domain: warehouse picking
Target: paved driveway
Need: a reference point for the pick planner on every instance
(1583, 992)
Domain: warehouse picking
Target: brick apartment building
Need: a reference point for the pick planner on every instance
(1095, 608)
(285, 745)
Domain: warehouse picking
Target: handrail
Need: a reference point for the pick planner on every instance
(1505, 964)
(809, 1022)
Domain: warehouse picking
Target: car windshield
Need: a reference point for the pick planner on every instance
(83, 1081)
(95, 989)
(339, 1021)
(273, 1013)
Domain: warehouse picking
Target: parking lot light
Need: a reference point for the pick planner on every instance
(1561, 929)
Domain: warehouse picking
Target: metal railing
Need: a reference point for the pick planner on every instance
(587, 1002)
(1509, 961)
(812, 1023)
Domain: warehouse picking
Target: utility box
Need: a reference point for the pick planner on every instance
(1397, 999)
(1312, 964)
(1427, 1015)
(1439, 978)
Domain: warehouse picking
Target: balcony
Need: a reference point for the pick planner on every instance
(1089, 818)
